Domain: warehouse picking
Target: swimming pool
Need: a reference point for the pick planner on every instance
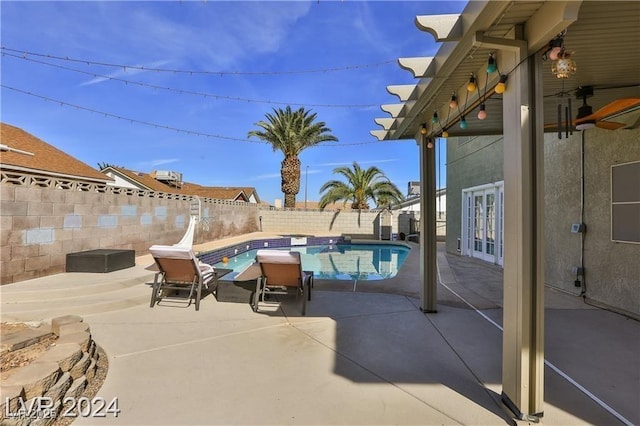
(338, 262)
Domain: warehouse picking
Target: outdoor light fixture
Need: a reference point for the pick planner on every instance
(463, 123)
(492, 66)
(501, 87)
(445, 134)
(472, 86)
(423, 130)
(564, 66)
(482, 114)
(453, 103)
(430, 144)
(435, 118)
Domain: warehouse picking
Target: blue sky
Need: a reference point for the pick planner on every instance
(228, 41)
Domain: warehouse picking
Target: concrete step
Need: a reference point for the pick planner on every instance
(106, 301)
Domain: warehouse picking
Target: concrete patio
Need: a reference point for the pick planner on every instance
(356, 358)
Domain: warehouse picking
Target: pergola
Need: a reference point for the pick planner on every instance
(604, 40)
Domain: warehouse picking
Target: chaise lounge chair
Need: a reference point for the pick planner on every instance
(281, 273)
(179, 269)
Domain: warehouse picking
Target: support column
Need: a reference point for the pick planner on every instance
(523, 307)
(428, 243)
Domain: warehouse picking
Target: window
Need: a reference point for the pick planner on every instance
(625, 202)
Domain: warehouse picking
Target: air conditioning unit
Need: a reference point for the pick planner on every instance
(169, 177)
(414, 188)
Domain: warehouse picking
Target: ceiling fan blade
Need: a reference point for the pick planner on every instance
(614, 107)
(609, 125)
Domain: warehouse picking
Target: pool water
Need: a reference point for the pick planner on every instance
(338, 262)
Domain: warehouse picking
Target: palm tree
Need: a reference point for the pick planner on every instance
(361, 186)
(291, 132)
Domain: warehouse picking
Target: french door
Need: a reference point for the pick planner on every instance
(482, 216)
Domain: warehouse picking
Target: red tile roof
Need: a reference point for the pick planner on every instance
(46, 159)
(147, 181)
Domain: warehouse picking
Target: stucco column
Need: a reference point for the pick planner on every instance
(523, 308)
(428, 244)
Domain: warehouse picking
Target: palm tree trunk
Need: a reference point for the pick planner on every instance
(290, 172)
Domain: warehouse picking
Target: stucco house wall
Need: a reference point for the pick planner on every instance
(612, 269)
(470, 162)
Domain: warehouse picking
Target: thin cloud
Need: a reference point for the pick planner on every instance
(128, 72)
(158, 162)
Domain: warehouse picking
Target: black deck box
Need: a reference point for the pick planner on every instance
(100, 260)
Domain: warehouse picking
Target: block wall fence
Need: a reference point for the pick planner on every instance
(40, 225)
(357, 224)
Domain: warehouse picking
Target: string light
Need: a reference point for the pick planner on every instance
(472, 86)
(482, 114)
(166, 127)
(435, 119)
(463, 123)
(453, 103)
(188, 92)
(501, 87)
(192, 72)
(491, 65)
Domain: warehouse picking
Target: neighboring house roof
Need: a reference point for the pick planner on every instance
(46, 159)
(148, 182)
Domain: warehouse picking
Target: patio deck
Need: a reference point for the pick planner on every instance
(358, 358)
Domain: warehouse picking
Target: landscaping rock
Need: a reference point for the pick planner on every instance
(77, 387)
(36, 378)
(10, 395)
(80, 368)
(83, 339)
(76, 327)
(66, 355)
(57, 391)
(57, 322)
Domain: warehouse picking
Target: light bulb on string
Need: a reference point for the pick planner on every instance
(435, 118)
(453, 103)
(430, 144)
(482, 114)
(463, 123)
(501, 87)
(491, 65)
(472, 86)
(423, 129)
(445, 134)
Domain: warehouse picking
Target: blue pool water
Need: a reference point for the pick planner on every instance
(339, 262)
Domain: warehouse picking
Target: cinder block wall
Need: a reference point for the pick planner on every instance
(357, 224)
(39, 226)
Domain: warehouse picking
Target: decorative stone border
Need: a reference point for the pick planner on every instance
(35, 394)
